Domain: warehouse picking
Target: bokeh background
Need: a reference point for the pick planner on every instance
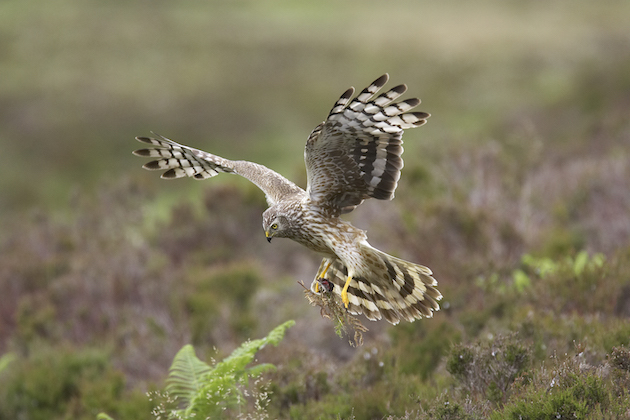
(107, 270)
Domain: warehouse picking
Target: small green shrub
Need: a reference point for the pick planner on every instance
(573, 283)
(421, 345)
(564, 392)
(66, 383)
(449, 411)
(620, 358)
(486, 370)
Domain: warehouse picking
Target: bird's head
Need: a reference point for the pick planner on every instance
(275, 225)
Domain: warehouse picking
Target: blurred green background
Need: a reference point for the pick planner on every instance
(251, 79)
(527, 152)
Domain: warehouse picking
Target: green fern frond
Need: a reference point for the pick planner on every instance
(186, 375)
(276, 335)
(206, 391)
(245, 354)
(260, 369)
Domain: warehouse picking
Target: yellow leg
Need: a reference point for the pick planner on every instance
(322, 276)
(344, 292)
(326, 269)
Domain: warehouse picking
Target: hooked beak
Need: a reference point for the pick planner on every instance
(268, 236)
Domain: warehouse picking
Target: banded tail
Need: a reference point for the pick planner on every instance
(395, 289)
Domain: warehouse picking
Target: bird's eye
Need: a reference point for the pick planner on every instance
(274, 226)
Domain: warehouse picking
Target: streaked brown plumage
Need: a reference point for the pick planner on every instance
(352, 156)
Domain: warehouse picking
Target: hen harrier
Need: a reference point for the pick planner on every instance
(352, 156)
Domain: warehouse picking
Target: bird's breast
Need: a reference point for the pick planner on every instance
(329, 236)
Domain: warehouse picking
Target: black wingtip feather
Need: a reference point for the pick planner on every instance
(381, 80)
(400, 89)
(154, 165)
(421, 115)
(142, 152)
(170, 174)
(347, 94)
(412, 102)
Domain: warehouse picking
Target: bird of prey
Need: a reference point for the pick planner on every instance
(355, 154)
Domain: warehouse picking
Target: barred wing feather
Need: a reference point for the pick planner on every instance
(356, 153)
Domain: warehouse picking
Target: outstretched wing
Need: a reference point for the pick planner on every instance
(180, 161)
(356, 153)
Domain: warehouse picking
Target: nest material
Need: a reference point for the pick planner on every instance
(332, 308)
